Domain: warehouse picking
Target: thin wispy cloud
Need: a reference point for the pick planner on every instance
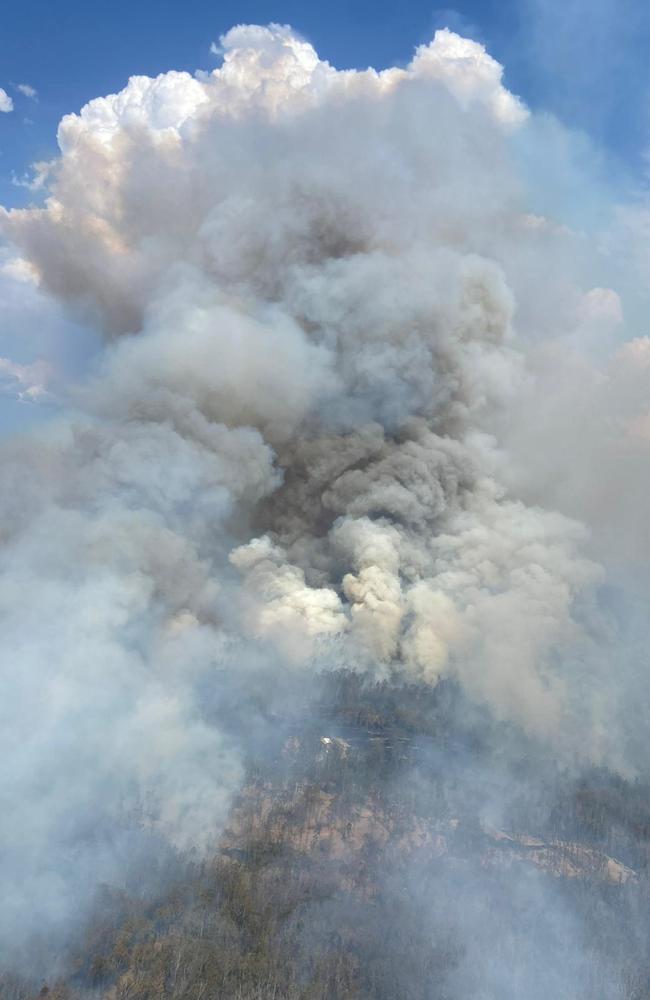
(26, 382)
(27, 90)
(38, 177)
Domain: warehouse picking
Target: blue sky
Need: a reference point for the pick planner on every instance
(584, 61)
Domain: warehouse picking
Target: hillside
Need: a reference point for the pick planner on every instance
(354, 855)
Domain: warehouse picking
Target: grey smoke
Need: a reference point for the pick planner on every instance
(316, 429)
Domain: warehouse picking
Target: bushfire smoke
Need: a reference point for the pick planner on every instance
(353, 399)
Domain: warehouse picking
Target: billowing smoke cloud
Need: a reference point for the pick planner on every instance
(323, 295)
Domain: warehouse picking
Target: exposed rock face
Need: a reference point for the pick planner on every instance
(561, 858)
(311, 821)
(356, 865)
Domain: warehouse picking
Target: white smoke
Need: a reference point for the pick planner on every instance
(323, 294)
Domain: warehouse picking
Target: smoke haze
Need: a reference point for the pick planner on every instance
(358, 405)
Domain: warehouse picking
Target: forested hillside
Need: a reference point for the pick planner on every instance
(388, 846)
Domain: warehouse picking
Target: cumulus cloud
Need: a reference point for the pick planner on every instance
(470, 73)
(6, 103)
(322, 295)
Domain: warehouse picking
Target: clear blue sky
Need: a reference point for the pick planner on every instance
(585, 61)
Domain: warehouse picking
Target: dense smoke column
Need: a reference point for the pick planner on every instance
(292, 456)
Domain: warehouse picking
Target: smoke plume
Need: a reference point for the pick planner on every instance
(351, 400)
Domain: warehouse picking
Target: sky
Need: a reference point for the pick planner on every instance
(582, 61)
